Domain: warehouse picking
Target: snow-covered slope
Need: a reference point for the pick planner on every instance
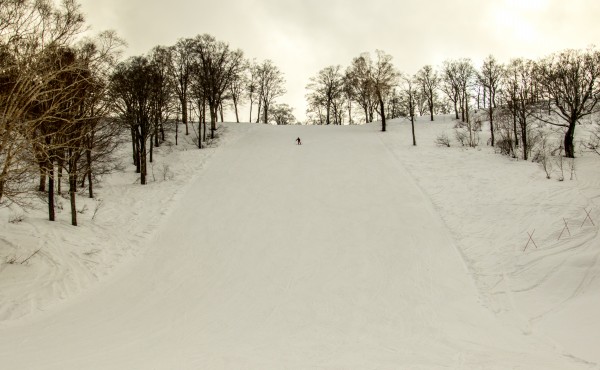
(43, 264)
(491, 204)
(327, 255)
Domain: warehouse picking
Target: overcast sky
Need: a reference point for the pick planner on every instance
(304, 36)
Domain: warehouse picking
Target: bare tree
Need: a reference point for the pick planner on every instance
(428, 82)
(160, 58)
(198, 95)
(520, 96)
(217, 65)
(133, 85)
(282, 114)
(314, 110)
(100, 55)
(466, 80)
(394, 106)
(252, 88)
(270, 82)
(490, 77)
(237, 88)
(384, 77)
(348, 94)
(181, 66)
(450, 83)
(327, 87)
(360, 85)
(409, 95)
(571, 81)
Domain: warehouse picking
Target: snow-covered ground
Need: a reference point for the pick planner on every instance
(354, 250)
(44, 263)
(491, 203)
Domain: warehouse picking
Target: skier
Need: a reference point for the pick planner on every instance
(298, 141)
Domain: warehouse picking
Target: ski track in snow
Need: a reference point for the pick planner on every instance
(343, 253)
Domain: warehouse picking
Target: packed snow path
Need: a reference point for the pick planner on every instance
(319, 256)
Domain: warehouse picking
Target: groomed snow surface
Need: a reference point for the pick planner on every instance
(354, 250)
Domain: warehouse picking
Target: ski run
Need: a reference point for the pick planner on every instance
(354, 250)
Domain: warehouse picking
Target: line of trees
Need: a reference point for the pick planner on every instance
(66, 102)
(198, 77)
(368, 82)
(557, 90)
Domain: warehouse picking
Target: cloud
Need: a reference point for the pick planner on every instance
(304, 36)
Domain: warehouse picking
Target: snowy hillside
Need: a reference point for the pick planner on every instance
(352, 251)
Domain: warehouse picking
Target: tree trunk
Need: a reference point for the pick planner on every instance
(88, 155)
(523, 121)
(184, 115)
(199, 133)
(73, 186)
(349, 111)
(138, 164)
(412, 123)
(381, 106)
(251, 103)
(266, 112)
(58, 183)
(133, 144)
(237, 118)
(73, 205)
(411, 111)
(431, 105)
(569, 147)
(143, 165)
(213, 120)
(204, 118)
(51, 212)
(50, 174)
(515, 127)
(259, 111)
(467, 108)
(2, 177)
(485, 96)
(143, 152)
(151, 148)
(491, 111)
(455, 109)
(156, 141)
